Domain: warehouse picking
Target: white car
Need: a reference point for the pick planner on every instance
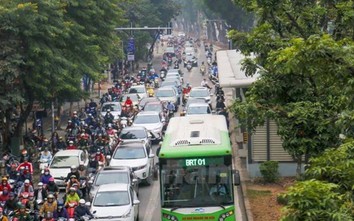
(138, 89)
(201, 92)
(198, 108)
(165, 94)
(114, 107)
(116, 201)
(138, 155)
(152, 121)
(62, 161)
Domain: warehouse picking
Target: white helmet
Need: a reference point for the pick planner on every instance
(82, 201)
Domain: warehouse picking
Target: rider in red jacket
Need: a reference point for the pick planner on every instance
(27, 165)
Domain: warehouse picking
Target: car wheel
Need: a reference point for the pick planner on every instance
(149, 179)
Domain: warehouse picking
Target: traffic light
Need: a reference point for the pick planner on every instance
(169, 28)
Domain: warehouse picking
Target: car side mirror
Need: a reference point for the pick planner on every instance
(211, 94)
(108, 157)
(136, 202)
(88, 204)
(94, 212)
(149, 135)
(237, 178)
(90, 182)
(151, 155)
(135, 180)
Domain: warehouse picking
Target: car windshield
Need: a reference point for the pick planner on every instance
(111, 198)
(145, 100)
(198, 110)
(129, 153)
(165, 93)
(132, 134)
(64, 161)
(111, 107)
(167, 84)
(153, 107)
(146, 119)
(199, 93)
(111, 177)
(137, 90)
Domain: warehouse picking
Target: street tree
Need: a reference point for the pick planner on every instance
(305, 71)
(52, 45)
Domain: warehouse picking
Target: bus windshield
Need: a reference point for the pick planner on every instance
(194, 182)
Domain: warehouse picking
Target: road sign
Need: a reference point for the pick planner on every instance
(130, 57)
(131, 46)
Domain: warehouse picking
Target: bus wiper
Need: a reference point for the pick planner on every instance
(175, 208)
(223, 207)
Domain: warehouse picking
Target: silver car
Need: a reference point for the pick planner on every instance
(114, 107)
(201, 92)
(135, 133)
(166, 94)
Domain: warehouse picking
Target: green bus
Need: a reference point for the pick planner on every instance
(196, 170)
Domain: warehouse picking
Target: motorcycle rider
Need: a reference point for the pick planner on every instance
(28, 168)
(108, 117)
(84, 140)
(82, 210)
(48, 206)
(204, 83)
(61, 145)
(71, 146)
(2, 216)
(4, 184)
(224, 112)
(26, 187)
(100, 158)
(202, 68)
(22, 214)
(128, 102)
(46, 176)
(46, 156)
(72, 196)
(40, 194)
(75, 119)
(31, 204)
(100, 142)
(12, 203)
(93, 104)
(170, 108)
(71, 182)
(73, 171)
(60, 212)
(4, 196)
(52, 187)
(25, 154)
(220, 104)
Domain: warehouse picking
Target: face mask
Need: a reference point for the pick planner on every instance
(46, 173)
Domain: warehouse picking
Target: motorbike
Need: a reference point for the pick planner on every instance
(71, 210)
(156, 83)
(170, 113)
(202, 70)
(209, 61)
(176, 66)
(43, 163)
(162, 75)
(189, 66)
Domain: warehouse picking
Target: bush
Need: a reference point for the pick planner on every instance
(269, 171)
(282, 199)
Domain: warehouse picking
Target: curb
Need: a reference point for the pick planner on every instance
(242, 189)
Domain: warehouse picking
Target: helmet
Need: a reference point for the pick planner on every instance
(72, 189)
(24, 152)
(50, 196)
(72, 176)
(71, 142)
(41, 184)
(4, 179)
(22, 168)
(50, 180)
(75, 112)
(27, 181)
(82, 201)
(108, 110)
(73, 167)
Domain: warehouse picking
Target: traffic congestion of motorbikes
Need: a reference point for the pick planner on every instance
(95, 131)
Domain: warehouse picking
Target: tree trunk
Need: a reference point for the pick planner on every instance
(59, 115)
(298, 166)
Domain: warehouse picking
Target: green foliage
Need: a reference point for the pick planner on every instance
(315, 200)
(305, 82)
(269, 171)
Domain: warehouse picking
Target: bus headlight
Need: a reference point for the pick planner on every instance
(169, 217)
(223, 216)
